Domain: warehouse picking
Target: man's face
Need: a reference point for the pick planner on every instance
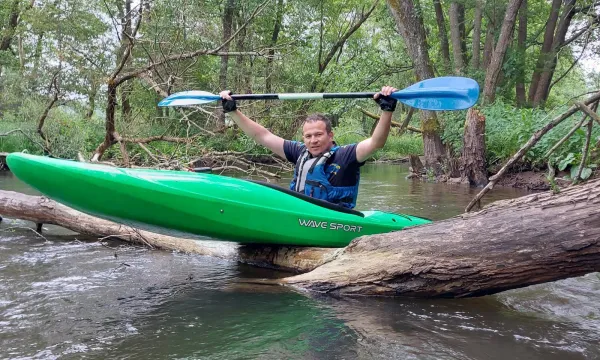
(316, 138)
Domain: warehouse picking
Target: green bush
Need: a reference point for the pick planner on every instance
(67, 131)
(509, 128)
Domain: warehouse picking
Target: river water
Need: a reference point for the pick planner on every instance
(67, 297)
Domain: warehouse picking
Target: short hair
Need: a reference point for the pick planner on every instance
(318, 117)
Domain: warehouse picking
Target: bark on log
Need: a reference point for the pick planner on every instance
(509, 244)
(40, 209)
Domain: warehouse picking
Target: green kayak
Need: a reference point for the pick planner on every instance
(220, 207)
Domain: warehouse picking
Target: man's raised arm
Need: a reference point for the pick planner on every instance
(253, 129)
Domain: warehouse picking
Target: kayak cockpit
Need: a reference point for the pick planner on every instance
(319, 202)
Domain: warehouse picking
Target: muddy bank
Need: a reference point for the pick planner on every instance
(530, 180)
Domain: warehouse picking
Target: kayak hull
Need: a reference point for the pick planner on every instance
(214, 206)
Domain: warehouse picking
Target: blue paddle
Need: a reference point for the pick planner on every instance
(442, 93)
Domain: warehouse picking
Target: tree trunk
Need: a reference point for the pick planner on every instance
(488, 47)
(477, 16)
(42, 120)
(457, 37)
(416, 166)
(541, 93)
(241, 71)
(109, 139)
(546, 47)
(506, 33)
(13, 21)
(441, 24)
(410, 26)
(274, 37)
(91, 98)
(473, 153)
(510, 244)
(463, 32)
(126, 19)
(37, 54)
(227, 22)
(521, 38)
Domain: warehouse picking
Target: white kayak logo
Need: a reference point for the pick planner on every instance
(328, 225)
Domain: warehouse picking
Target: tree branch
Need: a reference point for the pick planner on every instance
(345, 37)
(127, 53)
(575, 36)
(215, 51)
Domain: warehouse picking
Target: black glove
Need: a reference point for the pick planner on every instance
(229, 105)
(386, 103)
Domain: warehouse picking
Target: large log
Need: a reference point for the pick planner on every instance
(40, 210)
(509, 244)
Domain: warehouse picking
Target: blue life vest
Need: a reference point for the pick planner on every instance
(317, 184)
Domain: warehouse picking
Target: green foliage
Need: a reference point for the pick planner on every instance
(351, 131)
(509, 128)
(83, 41)
(67, 132)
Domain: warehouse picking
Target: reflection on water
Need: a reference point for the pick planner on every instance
(71, 297)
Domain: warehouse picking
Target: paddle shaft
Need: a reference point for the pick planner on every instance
(403, 94)
(304, 96)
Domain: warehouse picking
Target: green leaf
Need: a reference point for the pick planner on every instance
(566, 162)
(586, 173)
(574, 170)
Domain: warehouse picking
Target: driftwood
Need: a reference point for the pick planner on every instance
(509, 244)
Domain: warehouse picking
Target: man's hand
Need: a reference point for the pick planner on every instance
(369, 146)
(386, 103)
(229, 104)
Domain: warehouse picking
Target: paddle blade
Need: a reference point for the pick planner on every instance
(187, 98)
(442, 93)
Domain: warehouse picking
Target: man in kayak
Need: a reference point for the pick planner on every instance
(323, 169)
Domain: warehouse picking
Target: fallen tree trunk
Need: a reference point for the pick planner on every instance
(42, 210)
(509, 244)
